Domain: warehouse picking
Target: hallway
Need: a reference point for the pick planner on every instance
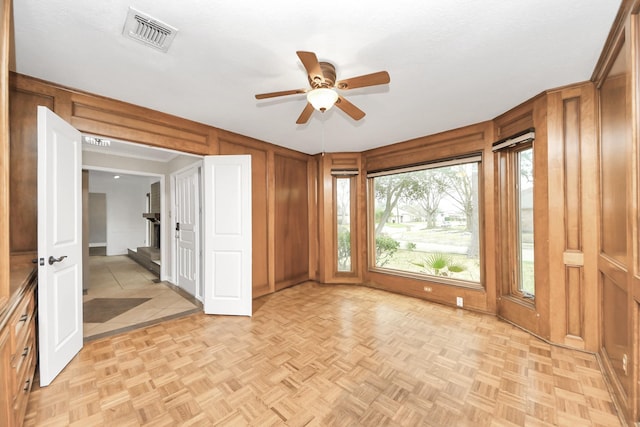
(122, 296)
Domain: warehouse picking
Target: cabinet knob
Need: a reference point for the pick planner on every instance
(27, 383)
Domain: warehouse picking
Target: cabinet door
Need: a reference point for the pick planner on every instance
(6, 379)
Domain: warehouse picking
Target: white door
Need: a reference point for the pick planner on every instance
(187, 219)
(227, 235)
(59, 244)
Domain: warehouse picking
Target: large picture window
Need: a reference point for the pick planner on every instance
(426, 220)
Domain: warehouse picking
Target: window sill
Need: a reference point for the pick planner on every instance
(427, 278)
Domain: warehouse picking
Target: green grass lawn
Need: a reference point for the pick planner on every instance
(404, 260)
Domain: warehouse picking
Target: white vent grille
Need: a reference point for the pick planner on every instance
(148, 30)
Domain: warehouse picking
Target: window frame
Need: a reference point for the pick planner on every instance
(510, 270)
(475, 157)
(352, 177)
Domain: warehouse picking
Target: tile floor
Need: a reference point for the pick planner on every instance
(121, 277)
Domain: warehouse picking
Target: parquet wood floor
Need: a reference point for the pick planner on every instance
(327, 356)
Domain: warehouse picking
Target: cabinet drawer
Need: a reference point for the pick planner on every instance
(25, 381)
(20, 321)
(21, 358)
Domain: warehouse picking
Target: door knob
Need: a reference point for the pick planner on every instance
(53, 260)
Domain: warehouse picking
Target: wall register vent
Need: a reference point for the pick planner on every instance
(145, 29)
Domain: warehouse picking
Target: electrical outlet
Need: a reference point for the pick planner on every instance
(459, 302)
(625, 361)
(428, 289)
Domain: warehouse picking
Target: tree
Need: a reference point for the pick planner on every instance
(425, 192)
(462, 188)
(389, 190)
(420, 191)
(458, 188)
(343, 199)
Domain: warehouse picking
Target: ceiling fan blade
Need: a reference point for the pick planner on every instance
(311, 64)
(379, 78)
(306, 113)
(349, 108)
(281, 93)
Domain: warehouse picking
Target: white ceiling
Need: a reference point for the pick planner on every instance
(452, 62)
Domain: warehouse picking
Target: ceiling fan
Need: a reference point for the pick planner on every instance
(323, 95)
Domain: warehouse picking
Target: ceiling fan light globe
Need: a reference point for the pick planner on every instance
(322, 98)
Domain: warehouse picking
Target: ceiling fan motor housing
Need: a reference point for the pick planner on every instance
(329, 74)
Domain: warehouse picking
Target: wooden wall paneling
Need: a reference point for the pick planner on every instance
(543, 200)
(260, 213)
(614, 136)
(314, 218)
(616, 340)
(514, 121)
(24, 163)
(615, 145)
(501, 219)
(573, 197)
(617, 81)
(488, 243)
(420, 150)
(291, 221)
(363, 221)
(271, 200)
(572, 224)
(325, 209)
(116, 119)
(590, 190)
(5, 37)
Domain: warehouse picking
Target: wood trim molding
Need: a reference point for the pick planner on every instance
(617, 31)
(5, 36)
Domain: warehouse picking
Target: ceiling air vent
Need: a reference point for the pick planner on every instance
(143, 28)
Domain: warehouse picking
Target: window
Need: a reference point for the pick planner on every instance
(524, 225)
(426, 220)
(516, 229)
(343, 206)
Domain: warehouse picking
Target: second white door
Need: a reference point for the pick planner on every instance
(187, 230)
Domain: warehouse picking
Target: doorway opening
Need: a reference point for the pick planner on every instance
(129, 281)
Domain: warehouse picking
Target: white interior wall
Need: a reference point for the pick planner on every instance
(97, 219)
(126, 202)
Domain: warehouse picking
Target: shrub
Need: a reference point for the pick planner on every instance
(385, 248)
(439, 264)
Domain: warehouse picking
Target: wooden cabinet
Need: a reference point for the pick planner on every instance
(18, 348)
